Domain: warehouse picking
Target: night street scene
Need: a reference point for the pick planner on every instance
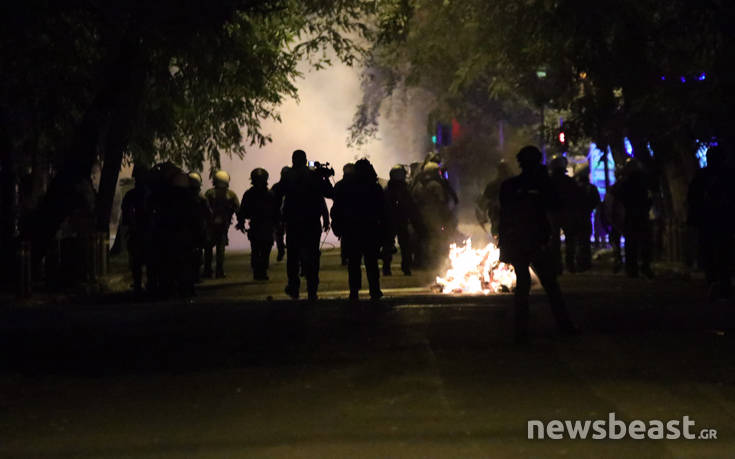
(367, 229)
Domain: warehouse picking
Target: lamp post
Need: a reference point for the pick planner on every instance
(541, 75)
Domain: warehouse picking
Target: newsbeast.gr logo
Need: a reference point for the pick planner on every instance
(615, 429)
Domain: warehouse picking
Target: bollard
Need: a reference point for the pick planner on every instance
(24, 270)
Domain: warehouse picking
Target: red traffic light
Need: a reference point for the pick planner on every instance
(562, 137)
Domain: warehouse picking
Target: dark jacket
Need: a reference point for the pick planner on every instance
(260, 206)
(359, 210)
(525, 202)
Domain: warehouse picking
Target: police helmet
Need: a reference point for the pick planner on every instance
(529, 156)
(259, 175)
(221, 179)
(398, 172)
(431, 168)
(195, 176)
(558, 163)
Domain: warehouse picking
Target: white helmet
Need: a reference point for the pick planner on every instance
(221, 177)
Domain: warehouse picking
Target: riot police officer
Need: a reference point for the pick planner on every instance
(589, 202)
(489, 202)
(524, 237)
(280, 233)
(136, 218)
(224, 204)
(259, 206)
(635, 196)
(204, 216)
(401, 215)
(711, 199)
(359, 216)
(433, 202)
(566, 217)
(348, 172)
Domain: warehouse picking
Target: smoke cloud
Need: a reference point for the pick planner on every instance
(318, 124)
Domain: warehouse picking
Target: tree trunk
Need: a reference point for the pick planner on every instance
(111, 103)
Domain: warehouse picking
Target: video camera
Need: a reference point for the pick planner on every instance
(322, 169)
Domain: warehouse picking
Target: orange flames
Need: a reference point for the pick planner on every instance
(475, 271)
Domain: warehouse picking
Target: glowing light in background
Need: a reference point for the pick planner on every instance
(628, 146)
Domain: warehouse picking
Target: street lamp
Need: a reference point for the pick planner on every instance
(541, 75)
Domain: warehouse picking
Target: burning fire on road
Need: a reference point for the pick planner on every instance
(476, 271)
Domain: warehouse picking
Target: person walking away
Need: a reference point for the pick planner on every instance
(433, 203)
(635, 197)
(401, 215)
(136, 217)
(224, 204)
(280, 233)
(204, 216)
(348, 172)
(359, 215)
(490, 199)
(590, 202)
(304, 209)
(565, 218)
(260, 208)
(524, 238)
(711, 200)
(181, 227)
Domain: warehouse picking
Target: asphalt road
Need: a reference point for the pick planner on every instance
(235, 374)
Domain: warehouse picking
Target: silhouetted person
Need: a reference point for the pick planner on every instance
(161, 178)
(303, 209)
(348, 172)
(565, 218)
(525, 237)
(224, 204)
(180, 230)
(280, 233)
(433, 202)
(136, 217)
(590, 200)
(260, 208)
(712, 212)
(204, 216)
(613, 218)
(401, 215)
(489, 202)
(634, 195)
(359, 218)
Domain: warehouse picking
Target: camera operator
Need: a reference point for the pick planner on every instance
(305, 218)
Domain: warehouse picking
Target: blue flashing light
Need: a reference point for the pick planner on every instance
(683, 79)
(702, 76)
(650, 150)
(446, 175)
(628, 146)
(663, 78)
(701, 154)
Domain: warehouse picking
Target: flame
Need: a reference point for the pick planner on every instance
(475, 271)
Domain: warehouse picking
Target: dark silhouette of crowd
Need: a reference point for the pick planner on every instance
(176, 235)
